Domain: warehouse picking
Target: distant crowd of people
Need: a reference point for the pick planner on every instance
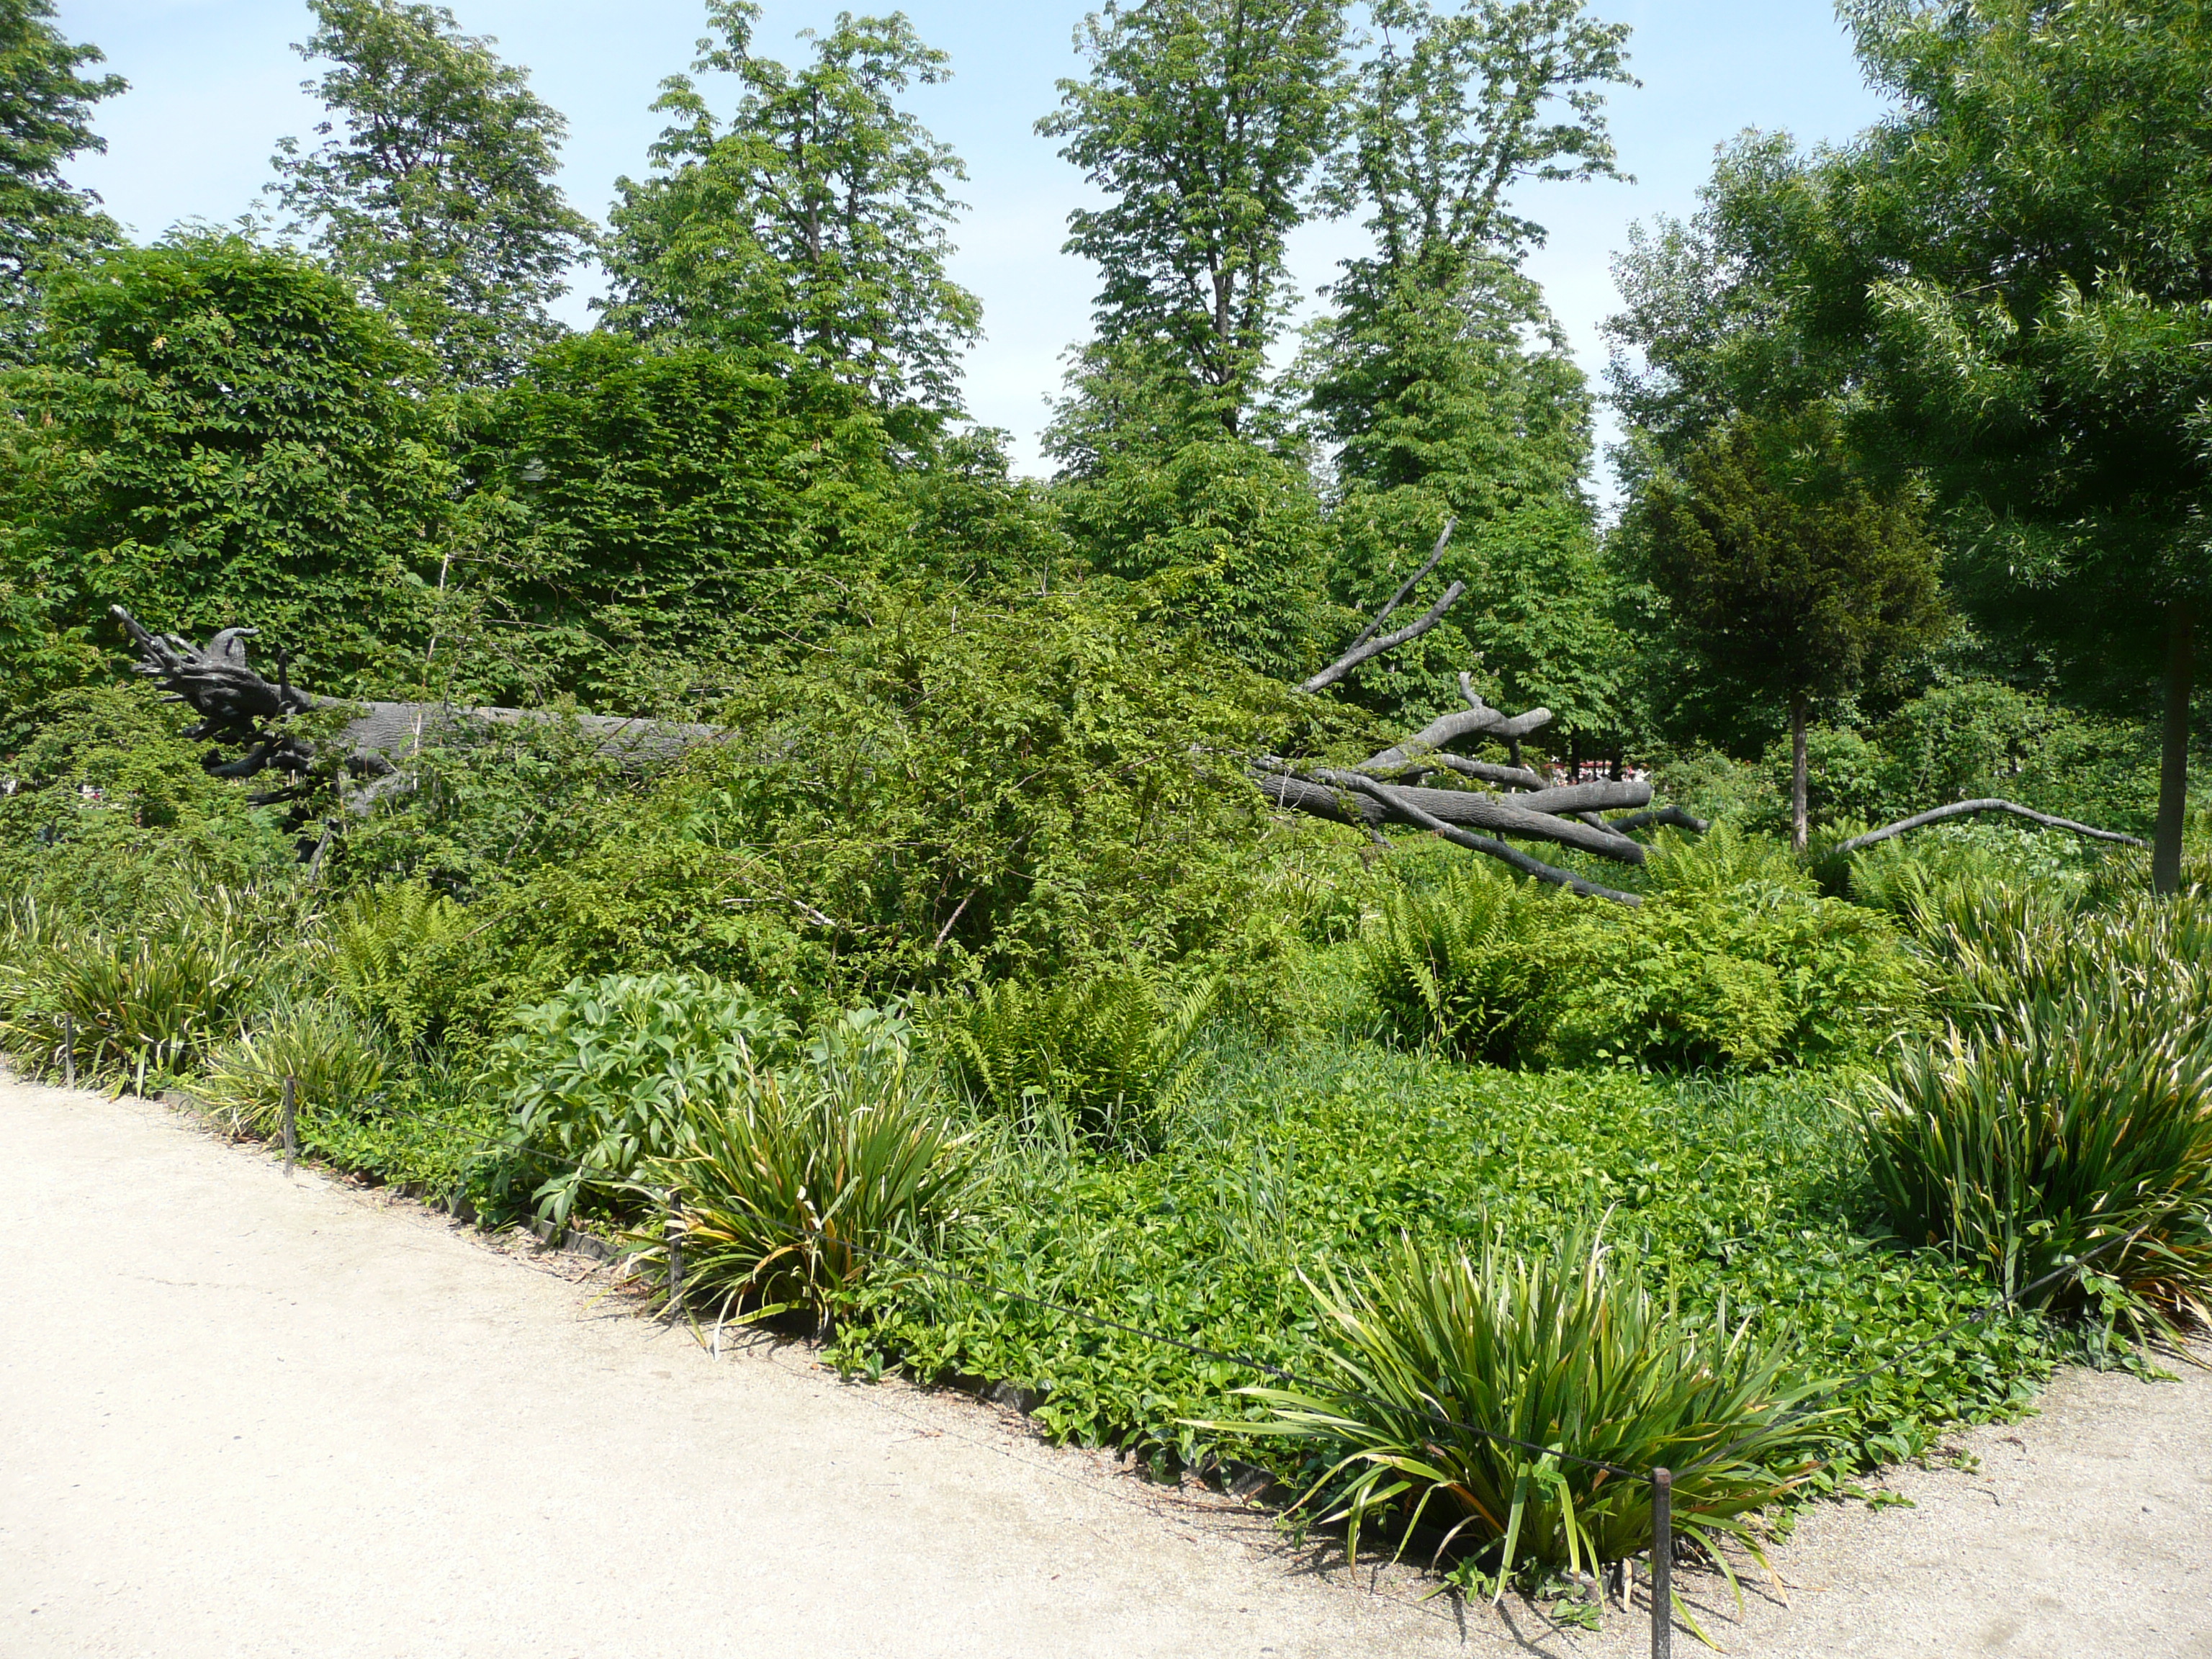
(1598, 771)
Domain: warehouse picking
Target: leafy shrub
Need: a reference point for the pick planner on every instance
(1734, 960)
(338, 1069)
(1104, 1049)
(597, 1076)
(1562, 1350)
(1759, 975)
(2080, 1118)
(795, 1183)
(132, 1005)
(1466, 963)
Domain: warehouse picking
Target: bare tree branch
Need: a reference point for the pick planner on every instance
(1406, 587)
(1478, 721)
(1352, 660)
(1966, 808)
(1676, 815)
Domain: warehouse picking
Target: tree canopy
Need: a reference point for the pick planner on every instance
(434, 185)
(45, 117)
(816, 220)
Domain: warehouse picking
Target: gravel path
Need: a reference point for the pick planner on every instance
(250, 1416)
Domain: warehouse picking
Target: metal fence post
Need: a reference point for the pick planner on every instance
(289, 1123)
(672, 1236)
(1662, 1564)
(68, 1051)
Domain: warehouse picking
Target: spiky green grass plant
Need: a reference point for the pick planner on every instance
(2076, 1129)
(798, 1183)
(1563, 1350)
(131, 1006)
(338, 1069)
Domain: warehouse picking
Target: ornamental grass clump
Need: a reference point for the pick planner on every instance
(130, 1006)
(795, 1184)
(1566, 1352)
(2066, 1146)
(338, 1068)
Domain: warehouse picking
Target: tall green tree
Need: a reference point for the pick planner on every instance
(1439, 377)
(2007, 278)
(216, 433)
(1450, 114)
(1202, 122)
(434, 187)
(815, 223)
(1455, 109)
(1784, 571)
(45, 119)
(2023, 245)
(667, 509)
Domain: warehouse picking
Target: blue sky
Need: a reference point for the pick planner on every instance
(215, 83)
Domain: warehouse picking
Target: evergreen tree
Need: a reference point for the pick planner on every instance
(813, 223)
(45, 117)
(434, 187)
(1784, 571)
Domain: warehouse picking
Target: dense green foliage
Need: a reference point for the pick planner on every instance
(210, 431)
(1733, 961)
(801, 1182)
(2068, 1117)
(1104, 1054)
(812, 224)
(45, 119)
(932, 972)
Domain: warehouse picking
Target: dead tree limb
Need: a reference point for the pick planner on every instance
(1394, 802)
(1354, 797)
(1516, 777)
(1967, 808)
(1673, 814)
(238, 706)
(1359, 655)
(1388, 788)
(1405, 587)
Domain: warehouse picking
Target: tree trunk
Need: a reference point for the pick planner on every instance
(1797, 771)
(2173, 761)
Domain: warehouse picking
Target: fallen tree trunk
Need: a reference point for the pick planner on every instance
(1969, 808)
(1395, 801)
(1354, 797)
(236, 704)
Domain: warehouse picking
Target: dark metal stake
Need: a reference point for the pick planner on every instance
(672, 1233)
(290, 1126)
(1662, 1564)
(68, 1051)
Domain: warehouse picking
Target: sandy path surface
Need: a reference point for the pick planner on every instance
(244, 1415)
